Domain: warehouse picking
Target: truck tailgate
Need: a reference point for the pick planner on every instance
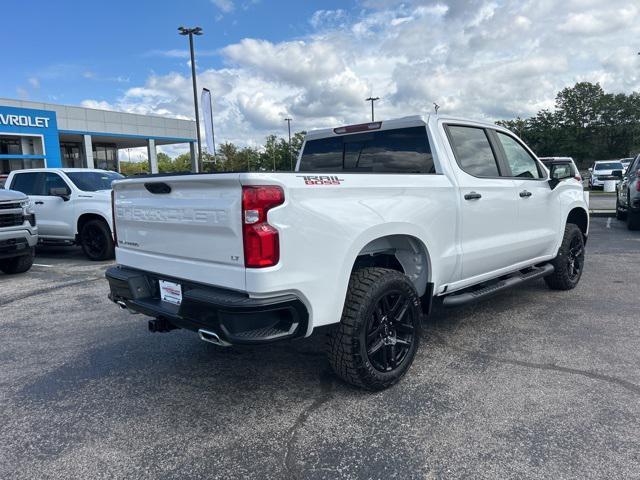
(186, 227)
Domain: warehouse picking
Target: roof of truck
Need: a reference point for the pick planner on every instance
(390, 124)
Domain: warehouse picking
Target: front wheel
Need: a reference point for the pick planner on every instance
(378, 335)
(96, 240)
(19, 264)
(569, 262)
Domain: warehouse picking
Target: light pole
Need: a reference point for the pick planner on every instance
(372, 99)
(288, 120)
(191, 32)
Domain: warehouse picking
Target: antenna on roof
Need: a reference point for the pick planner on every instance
(436, 107)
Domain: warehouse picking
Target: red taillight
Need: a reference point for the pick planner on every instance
(113, 217)
(261, 241)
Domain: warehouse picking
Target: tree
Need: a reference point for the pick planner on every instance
(129, 169)
(587, 124)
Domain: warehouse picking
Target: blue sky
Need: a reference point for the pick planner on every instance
(316, 61)
(69, 51)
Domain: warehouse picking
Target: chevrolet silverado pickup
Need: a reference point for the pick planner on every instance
(376, 222)
(18, 232)
(73, 205)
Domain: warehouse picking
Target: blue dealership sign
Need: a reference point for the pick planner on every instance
(28, 121)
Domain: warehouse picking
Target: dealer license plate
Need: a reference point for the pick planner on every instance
(170, 292)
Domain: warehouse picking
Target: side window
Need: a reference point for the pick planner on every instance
(53, 180)
(522, 164)
(473, 151)
(27, 183)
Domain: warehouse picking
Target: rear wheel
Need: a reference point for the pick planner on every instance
(620, 213)
(378, 335)
(569, 262)
(19, 264)
(96, 240)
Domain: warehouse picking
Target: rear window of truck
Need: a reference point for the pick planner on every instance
(402, 150)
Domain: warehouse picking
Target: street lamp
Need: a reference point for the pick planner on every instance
(191, 32)
(372, 99)
(288, 120)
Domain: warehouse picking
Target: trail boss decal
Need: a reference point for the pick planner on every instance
(321, 179)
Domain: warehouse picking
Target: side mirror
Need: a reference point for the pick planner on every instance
(62, 192)
(617, 174)
(560, 171)
(590, 169)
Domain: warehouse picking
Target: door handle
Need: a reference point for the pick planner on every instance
(472, 196)
(525, 194)
(39, 203)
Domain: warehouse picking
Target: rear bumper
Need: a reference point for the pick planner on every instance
(233, 316)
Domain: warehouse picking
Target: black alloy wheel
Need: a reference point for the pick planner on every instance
(96, 240)
(575, 258)
(390, 332)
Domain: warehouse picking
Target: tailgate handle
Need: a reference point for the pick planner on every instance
(157, 187)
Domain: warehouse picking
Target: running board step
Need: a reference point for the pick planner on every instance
(468, 296)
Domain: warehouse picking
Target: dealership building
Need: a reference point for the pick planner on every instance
(35, 135)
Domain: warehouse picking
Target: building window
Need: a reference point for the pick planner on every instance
(71, 155)
(105, 156)
(10, 145)
(9, 164)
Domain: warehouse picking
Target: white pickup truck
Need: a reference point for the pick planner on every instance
(73, 205)
(377, 220)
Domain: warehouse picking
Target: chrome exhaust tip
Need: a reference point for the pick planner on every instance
(212, 337)
(123, 306)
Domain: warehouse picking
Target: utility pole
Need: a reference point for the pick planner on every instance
(372, 99)
(288, 120)
(191, 32)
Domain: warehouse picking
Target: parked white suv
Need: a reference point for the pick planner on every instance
(73, 205)
(377, 221)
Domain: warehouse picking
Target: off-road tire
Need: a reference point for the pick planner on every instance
(347, 343)
(620, 214)
(19, 264)
(96, 240)
(563, 277)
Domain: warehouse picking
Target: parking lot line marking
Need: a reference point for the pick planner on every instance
(42, 265)
(609, 222)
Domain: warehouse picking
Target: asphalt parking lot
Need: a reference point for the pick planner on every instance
(531, 384)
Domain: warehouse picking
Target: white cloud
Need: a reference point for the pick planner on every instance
(34, 82)
(225, 5)
(97, 104)
(477, 58)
